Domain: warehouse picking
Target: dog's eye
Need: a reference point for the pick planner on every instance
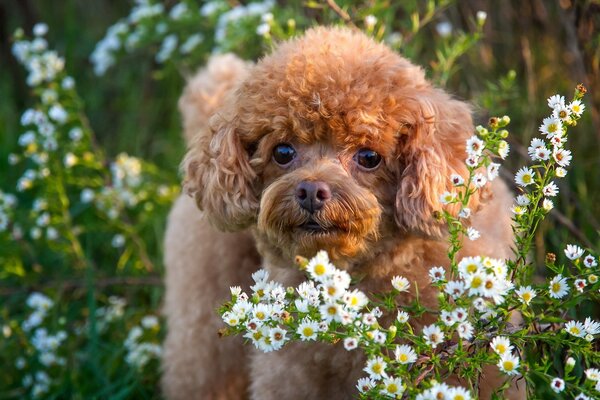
(368, 159)
(283, 154)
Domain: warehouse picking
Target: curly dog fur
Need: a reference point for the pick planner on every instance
(328, 94)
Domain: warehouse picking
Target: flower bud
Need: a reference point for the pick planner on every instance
(593, 278)
(550, 258)
(392, 332)
(505, 120)
(503, 133)
(493, 122)
(569, 365)
(481, 130)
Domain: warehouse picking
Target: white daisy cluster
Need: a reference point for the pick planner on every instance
(549, 154)
(8, 202)
(445, 392)
(112, 312)
(509, 362)
(587, 329)
(139, 351)
(592, 375)
(240, 12)
(45, 345)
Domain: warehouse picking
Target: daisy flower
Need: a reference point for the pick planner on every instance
(503, 149)
(577, 107)
(447, 318)
(593, 278)
(591, 327)
(231, 319)
(581, 396)
(402, 317)
(593, 374)
(473, 234)
(365, 384)
(558, 287)
(447, 197)
(464, 212)
(392, 387)
(551, 127)
(547, 205)
(437, 274)
(469, 266)
(457, 180)
(465, 330)
(580, 284)
(522, 200)
(541, 154)
(562, 157)
(558, 385)
(562, 112)
(455, 288)
(509, 364)
(458, 393)
(376, 368)
(475, 146)
(350, 343)
(526, 294)
(319, 267)
(535, 144)
(558, 141)
(278, 338)
(560, 172)
(550, 190)
(330, 311)
(575, 328)
(459, 314)
(472, 161)
(524, 177)
(400, 283)
(589, 261)
(479, 180)
(556, 101)
(405, 354)
(355, 299)
(492, 171)
(501, 345)
(308, 329)
(573, 252)
(433, 335)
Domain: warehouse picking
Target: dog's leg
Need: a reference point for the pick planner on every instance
(201, 264)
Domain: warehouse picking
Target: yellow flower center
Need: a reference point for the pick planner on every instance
(471, 268)
(403, 358)
(556, 287)
(260, 315)
(307, 331)
(575, 330)
(377, 368)
(392, 388)
(476, 282)
(552, 128)
(489, 284)
(500, 349)
(526, 297)
(527, 178)
(319, 269)
(508, 365)
(332, 310)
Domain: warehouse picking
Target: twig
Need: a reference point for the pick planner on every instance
(341, 13)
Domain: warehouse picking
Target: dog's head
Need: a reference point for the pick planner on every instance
(332, 142)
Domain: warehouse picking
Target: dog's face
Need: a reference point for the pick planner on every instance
(332, 142)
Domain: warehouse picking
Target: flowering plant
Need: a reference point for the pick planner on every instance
(480, 298)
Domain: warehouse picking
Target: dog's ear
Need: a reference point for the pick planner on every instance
(219, 176)
(432, 147)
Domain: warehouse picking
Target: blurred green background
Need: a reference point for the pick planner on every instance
(527, 51)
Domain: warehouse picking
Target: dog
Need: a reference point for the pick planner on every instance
(332, 142)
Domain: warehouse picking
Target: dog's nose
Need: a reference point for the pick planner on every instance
(312, 196)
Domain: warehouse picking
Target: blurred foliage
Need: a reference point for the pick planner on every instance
(524, 52)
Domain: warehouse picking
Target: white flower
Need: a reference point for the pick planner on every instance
(561, 172)
(58, 113)
(475, 146)
(575, 328)
(573, 252)
(40, 29)
(458, 393)
(501, 345)
(577, 107)
(350, 343)
(76, 134)
(263, 29)
(556, 101)
(400, 283)
(455, 288)
(551, 127)
(447, 318)
(465, 330)
(68, 83)
(593, 374)
(590, 261)
(437, 274)
(526, 294)
(493, 170)
(365, 384)
(457, 180)
(522, 200)
(473, 234)
(562, 112)
(558, 385)
(376, 368)
(469, 266)
(581, 396)
(118, 241)
(509, 364)
(87, 195)
(550, 190)
(230, 318)
(370, 21)
(472, 161)
(524, 177)
(433, 335)
(191, 43)
(355, 299)
(447, 197)
(535, 144)
(580, 284)
(278, 337)
(178, 11)
(393, 387)
(503, 149)
(319, 267)
(166, 49)
(481, 17)
(402, 317)
(405, 354)
(547, 205)
(51, 233)
(444, 29)
(70, 160)
(330, 312)
(479, 180)
(563, 157)
(464, 212)
(558, 287)
(591, 327)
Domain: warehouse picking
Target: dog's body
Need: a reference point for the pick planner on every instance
(288, 163)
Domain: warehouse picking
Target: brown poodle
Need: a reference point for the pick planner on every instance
(331, 142)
